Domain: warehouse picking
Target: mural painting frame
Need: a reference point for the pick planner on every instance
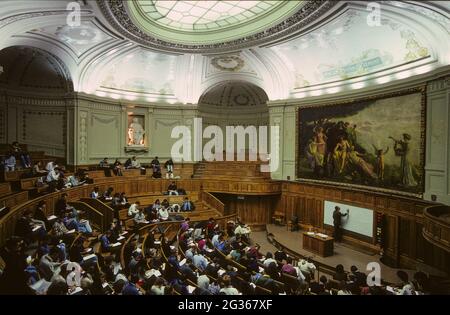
(354, 101)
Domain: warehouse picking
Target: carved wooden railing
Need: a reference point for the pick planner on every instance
(95, 217)
(436, 228)
(105, 210)
(213, 202)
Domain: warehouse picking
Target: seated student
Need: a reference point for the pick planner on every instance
(124, 200)
(105, 242)
(288, 268)
(40, 213)
(38, 170)
(172, 189)
(130, 287)
(116, 201)
(48, 264)
(187, 205)
(139, 218)
(107, 195)
(156, 165)
(117, 168)
(132, 163)
(319, 287)
(82, 225)
(280, 255)
(27, 229)
(74, 181)
(340, 274)
(20, 154)
(227, 287)
(151, 213)
(53, 180)
(163, 214)
(134, 209)
(269, 259)
(104, 164)
(169, 168)
(62, 206)
(95, 193)
(165, 203)
(116, 229)
(10, 162)
(243, 230)
(59, 229)
(307, 268)
(407, 287)
(360, 278)
(50, 166)
(199, 261)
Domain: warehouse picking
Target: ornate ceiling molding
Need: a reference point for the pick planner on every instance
(116, 13)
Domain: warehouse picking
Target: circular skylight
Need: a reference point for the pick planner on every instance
(204, 15)
(205, 22)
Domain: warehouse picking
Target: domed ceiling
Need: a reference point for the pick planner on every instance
(209, 26)
(173, 51)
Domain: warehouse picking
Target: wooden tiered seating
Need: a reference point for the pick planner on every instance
(231, 170)
(5, 189)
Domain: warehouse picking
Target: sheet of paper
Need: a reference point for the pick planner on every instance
(190, 288)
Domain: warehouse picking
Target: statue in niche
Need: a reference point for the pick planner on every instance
(135, 133)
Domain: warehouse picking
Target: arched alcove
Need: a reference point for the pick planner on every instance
(234, 103)
(34, 102)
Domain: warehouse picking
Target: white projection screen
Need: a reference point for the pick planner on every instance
(359, 220)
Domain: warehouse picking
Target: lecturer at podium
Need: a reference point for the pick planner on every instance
(337, 215)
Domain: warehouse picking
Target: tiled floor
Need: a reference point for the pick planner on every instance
(343, 254)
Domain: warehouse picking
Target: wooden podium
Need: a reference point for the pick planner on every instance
(318, 245)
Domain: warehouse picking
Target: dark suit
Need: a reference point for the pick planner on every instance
(337, 215)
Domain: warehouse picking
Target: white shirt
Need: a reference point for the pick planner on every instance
(215, 240)
(135, 164)
(163, 214)
(50, 166)
(268, 261)
(52, 176)
(241, 230)
(133, 210)
(229, 291)
(94, 194)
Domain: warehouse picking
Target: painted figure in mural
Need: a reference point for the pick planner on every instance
(317, 149)
(379, 153)
(135, 133)
(340, 154)
(402, 148)
(355, 158)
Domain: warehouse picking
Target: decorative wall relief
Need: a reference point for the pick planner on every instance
(83, 136)
(136, 131)
(137, 134)
(228, 63)
(40, 120)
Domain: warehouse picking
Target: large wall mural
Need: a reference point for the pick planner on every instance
(375, 142)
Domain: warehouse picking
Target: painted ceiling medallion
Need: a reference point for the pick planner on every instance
(228, 63)
(210, 26)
